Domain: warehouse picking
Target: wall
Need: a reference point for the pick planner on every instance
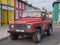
(4, 2)
(12, 3)
(19, 7)
(8, 6)
(55, 12)
(7, 2)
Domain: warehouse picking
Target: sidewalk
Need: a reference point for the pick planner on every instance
(3, 32)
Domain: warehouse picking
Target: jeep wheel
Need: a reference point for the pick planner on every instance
(14, 36)
(49, 31)
(37, 37)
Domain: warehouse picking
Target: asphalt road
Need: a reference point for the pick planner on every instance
(47, 40)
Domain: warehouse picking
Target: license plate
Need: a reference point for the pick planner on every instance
(20, 30)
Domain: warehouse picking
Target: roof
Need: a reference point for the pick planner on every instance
(28, 4)
(58, 1)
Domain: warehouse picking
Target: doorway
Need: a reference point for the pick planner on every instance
(4, 16)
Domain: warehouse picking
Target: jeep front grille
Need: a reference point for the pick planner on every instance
(20, 26)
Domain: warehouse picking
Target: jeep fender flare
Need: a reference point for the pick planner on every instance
(49, 24)
(37, 27)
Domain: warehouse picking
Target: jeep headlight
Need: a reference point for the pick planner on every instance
(12, 26)
(29, 26)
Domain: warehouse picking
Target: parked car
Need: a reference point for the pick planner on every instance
(31, 23)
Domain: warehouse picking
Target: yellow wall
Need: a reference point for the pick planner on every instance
(7, 2)
(4, 2)
(0, 1)
(11, 15)
(12, 3)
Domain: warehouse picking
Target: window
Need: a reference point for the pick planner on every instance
(10, 15)
(23, 6)
(8, 2)
(16, 4)
(31, 14)
(20, 13)
(16, 16)
(19, 4)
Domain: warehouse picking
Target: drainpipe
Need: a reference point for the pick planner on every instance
(7, 12)
(1, 12)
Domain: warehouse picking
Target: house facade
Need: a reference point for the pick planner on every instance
(6, 11)
(21, 6)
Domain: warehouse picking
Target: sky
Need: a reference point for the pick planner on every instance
(42, 3)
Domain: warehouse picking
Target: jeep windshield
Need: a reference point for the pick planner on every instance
(31, 14)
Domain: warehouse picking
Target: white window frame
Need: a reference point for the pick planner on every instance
(20, 4)
(16, 16)
(20, 13)
(23, 6)
(16, 4)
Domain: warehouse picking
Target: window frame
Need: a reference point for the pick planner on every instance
(16, 4)
(16, 15)
(20, 5)
(23, 6)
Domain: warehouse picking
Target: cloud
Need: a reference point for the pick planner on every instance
(42, 3)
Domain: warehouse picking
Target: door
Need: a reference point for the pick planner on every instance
(5, 18)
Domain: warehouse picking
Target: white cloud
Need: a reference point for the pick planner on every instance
(42, 3)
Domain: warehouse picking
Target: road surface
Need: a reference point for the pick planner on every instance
(47, 40)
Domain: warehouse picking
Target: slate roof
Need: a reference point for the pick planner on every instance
(28, 4)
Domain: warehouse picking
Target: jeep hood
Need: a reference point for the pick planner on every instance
(26, 21)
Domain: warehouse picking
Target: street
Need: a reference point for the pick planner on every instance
(54, 39)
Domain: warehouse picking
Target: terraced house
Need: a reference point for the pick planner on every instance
(21, 6)
(6, 11)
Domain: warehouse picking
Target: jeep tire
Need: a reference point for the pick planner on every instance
(37, 37)
(13, 36)
(50, 31)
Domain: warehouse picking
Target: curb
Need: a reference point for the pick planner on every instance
(4, 38)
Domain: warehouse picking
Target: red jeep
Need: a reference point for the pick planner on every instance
(32, 24)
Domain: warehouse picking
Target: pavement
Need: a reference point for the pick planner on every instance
(3, 32)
